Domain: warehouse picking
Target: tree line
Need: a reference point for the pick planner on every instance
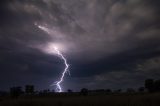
(150, 85)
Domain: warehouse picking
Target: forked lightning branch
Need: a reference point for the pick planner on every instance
(57, 83)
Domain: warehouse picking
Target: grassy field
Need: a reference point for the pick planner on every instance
(91, 100)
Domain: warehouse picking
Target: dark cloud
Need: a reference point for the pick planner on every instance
(105, 41)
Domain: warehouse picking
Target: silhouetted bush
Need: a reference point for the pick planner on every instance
(45, 92)
(70, 91)
(99, 90)
(3, 93)
(130, 90)
(141, 89)
(29, 89)
(108, 91)
(118, 91)
(84, 91)
(15, 91)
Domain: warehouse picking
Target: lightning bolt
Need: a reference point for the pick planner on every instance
(57, 83)
(59, 88)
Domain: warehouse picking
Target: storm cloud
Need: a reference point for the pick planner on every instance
(107, 42)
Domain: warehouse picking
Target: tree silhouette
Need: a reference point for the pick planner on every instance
(29, 89)
(149, 85)
(157, 85)
(15, 91)
(141, 89)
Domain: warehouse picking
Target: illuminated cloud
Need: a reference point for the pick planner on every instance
(97, 36)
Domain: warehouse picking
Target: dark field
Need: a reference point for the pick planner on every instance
(146, 99)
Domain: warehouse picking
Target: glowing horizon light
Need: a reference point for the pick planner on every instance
(57, 83)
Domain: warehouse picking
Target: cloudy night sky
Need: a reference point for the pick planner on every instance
(108, 43)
